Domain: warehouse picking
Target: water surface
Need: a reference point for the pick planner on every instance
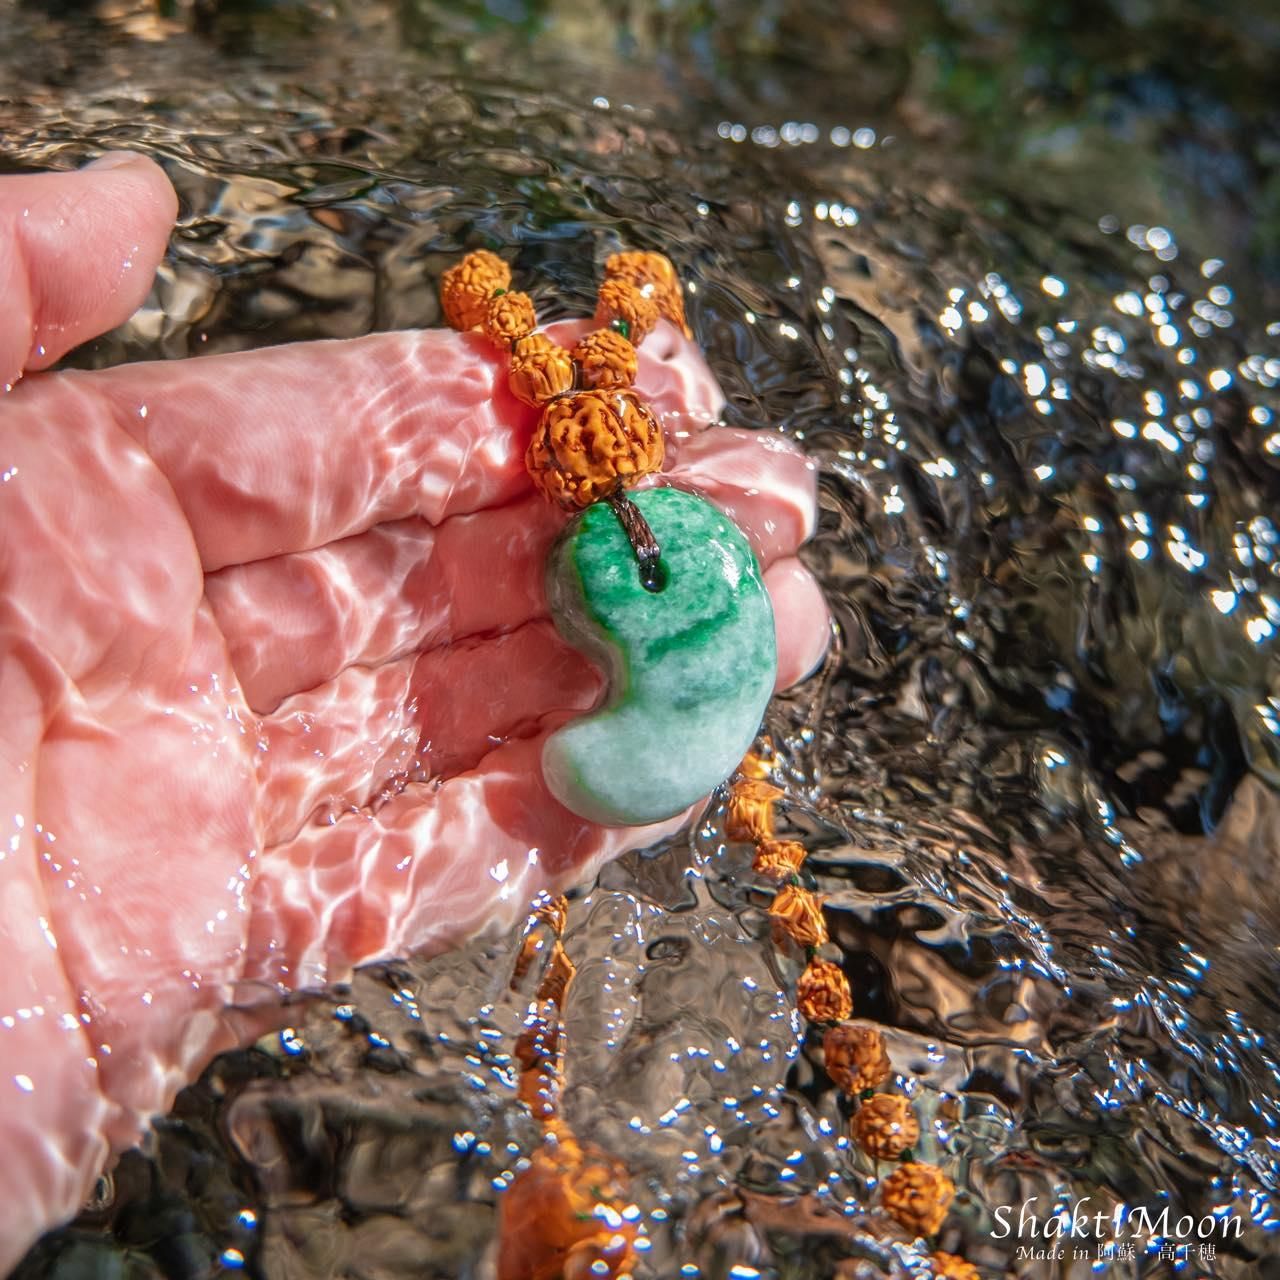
(1010, 278)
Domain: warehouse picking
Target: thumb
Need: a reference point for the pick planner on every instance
(77, 255)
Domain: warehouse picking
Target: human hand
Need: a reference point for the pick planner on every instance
(276, 669)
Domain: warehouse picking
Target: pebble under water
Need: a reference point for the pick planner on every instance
(1038, 771)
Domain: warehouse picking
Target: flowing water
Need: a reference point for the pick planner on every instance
(1007, 277)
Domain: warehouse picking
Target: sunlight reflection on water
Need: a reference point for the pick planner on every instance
(1037, 773)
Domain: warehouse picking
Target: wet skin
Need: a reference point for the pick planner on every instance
(276, 670)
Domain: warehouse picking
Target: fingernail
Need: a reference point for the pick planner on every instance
(114, 160)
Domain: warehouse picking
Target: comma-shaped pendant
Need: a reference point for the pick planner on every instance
(691, 666)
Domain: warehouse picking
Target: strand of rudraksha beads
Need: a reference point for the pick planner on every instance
(916, 1195)
(596, 435)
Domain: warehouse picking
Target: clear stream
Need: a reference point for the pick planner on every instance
(1009, 273)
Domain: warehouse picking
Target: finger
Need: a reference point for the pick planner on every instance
(430, 869)
(294, 622)
(672, 376)
(291, 448)
(77, 255)
(760, 480)
(362, 737)
(800, 618)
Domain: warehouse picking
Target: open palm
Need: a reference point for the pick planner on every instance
(275, 669)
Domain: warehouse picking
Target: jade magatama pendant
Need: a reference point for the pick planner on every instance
(691, 667)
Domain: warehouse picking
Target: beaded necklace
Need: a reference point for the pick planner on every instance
(566, 1214)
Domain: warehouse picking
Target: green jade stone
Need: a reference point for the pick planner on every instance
(691, 667)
